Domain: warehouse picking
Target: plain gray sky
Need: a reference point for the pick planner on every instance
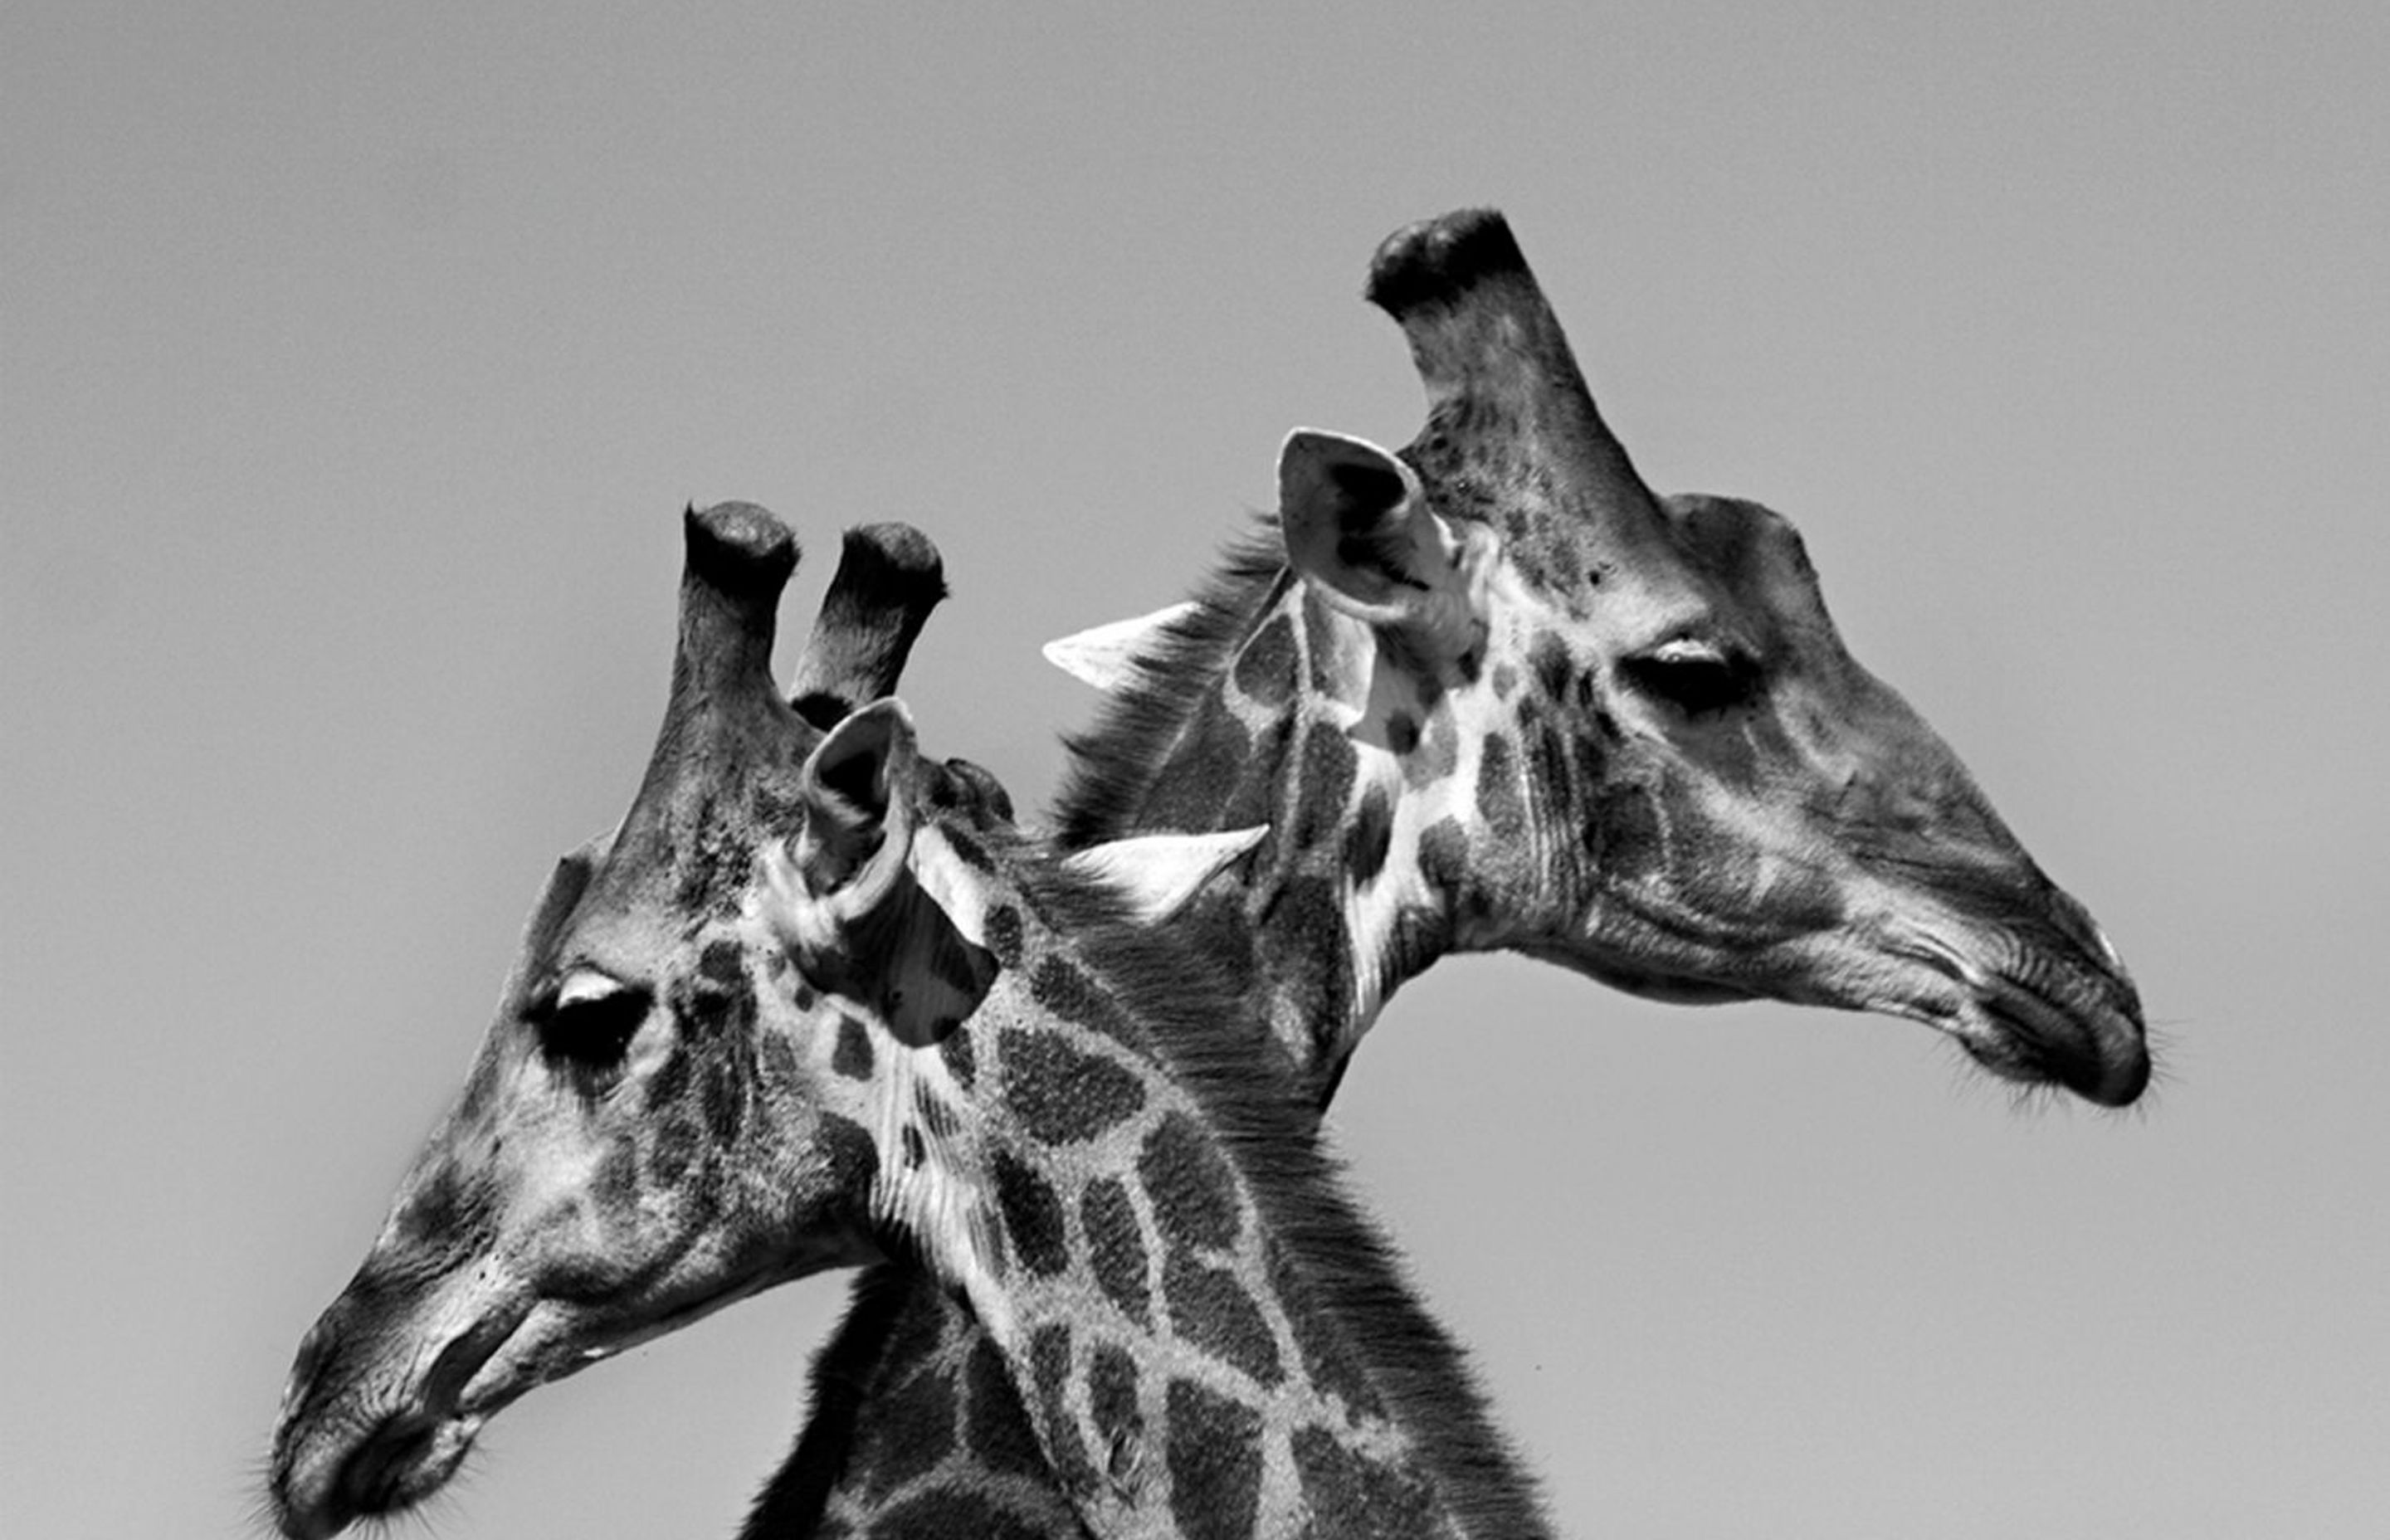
(356, 367)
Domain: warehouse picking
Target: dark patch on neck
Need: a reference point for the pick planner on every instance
(1210, 1310)
(1032, 1216)
(1116, 1247)
(1348, 1491)
(1063, 987)
(1191, 1188)
(1049, 1363)
(1112, 1404)
(1061, 1094)
(1193, 789)
(1216, 1463)
(999, 1429)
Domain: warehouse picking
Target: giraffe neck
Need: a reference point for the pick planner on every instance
(1205, 1335)
(1263, 706)
(1308, 723)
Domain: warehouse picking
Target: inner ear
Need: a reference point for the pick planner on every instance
(857, 826)
(1358, 530)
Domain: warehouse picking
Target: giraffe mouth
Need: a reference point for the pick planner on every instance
(352, 1449)
(406, 1459)
(2046, 1018)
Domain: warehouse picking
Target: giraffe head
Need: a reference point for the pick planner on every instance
(658, 1121)
(677, 1104)
(1535, 707)
(1688, 785)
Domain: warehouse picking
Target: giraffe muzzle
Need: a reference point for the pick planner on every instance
(2097, 1052)
(2046, 1015)
(361, 1436)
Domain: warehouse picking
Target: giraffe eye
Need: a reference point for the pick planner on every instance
(1694, 676)
(589, 1020)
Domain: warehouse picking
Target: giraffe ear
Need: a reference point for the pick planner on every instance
(1100, 655)
(1158, 873)
(1358, 531)
(855, 796)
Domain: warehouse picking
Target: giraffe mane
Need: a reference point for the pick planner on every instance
(1350, 1272)
(1113, 762)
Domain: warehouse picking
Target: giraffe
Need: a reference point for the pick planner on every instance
(800, 1012)
(1489, 693)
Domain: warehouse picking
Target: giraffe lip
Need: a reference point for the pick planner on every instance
(354, 1454)
(2094, 1050)
(400, 1460)
(408, 1458)
(2072, 1020)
